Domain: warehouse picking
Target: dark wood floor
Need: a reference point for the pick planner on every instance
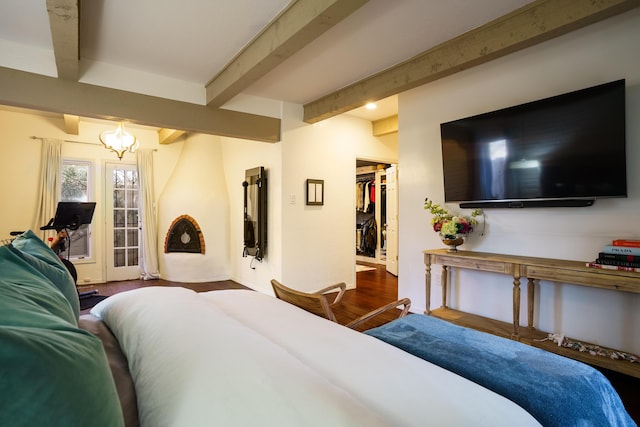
(375, 288)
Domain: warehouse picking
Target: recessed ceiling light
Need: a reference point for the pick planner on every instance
(371, 106)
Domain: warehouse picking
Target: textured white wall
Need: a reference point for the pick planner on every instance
(597, 54)
(309, 247)
(197, 187)
(19, 173)
(318, 241)
(238, 157)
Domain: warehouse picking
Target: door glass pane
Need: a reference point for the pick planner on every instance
(132, 199)
(131, 179)
(132, 218)
(132, 237)
(118, 179)
(118, 258)
(118, 218)
(118, 199)
(133, 256)
(118, 238)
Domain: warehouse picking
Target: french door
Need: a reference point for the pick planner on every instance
(392, 220)
(122, 222)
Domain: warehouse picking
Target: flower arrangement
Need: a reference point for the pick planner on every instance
(448, 225)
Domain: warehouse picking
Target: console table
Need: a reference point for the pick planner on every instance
(531, 268)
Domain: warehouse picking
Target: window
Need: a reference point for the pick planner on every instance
(75, 187)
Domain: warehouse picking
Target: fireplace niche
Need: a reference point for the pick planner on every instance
(184, 235)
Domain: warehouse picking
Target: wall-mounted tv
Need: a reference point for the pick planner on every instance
(566, 150)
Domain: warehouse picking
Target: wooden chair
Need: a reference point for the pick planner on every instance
(318, 303)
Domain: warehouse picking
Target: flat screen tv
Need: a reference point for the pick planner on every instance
(566, 150)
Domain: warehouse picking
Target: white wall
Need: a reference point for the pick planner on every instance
(19, 174)
(19, 171)
(197, 187)
(600, 53)
(309, 247)
(318, 242)
(238, 156)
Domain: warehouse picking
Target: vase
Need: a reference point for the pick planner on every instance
(453, 243)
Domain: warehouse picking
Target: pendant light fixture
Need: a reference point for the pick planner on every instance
(119, 141)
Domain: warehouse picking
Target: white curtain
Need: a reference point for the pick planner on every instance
(147, 207)
(49, 189)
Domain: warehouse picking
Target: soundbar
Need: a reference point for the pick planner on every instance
(510, 204)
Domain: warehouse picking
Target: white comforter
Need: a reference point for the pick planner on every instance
(242, 358)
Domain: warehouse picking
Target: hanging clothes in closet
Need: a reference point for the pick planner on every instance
(359, 196)
(366, 226)
(369, 237)
(365, 193)
(367, 197)
(372, 197)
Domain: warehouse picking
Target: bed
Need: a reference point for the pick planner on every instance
(161, 356)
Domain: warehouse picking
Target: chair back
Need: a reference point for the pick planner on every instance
(314, 303)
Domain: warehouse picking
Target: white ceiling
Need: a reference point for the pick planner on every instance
(173, 48)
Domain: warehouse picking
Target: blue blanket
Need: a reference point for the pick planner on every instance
(556, 390)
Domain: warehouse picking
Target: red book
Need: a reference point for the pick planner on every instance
(612, 267)
(625, 242)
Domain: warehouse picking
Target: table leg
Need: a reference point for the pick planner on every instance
(445, 279)
(516, 304)
(427, 284)
(530, 296)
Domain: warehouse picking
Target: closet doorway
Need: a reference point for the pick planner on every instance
(376, 215)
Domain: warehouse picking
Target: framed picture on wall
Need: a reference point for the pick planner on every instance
(315, 192)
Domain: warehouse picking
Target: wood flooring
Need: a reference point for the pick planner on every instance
(375, 288)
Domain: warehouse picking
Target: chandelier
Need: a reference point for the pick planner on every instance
(119, 141)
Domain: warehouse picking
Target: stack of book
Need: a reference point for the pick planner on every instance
(621, 254)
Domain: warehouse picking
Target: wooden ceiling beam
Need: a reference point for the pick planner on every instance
(64, 20)
(35, 91)
(534, 23)
(167, 136)
(385, 126)
(71, 124)
(293, 29)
